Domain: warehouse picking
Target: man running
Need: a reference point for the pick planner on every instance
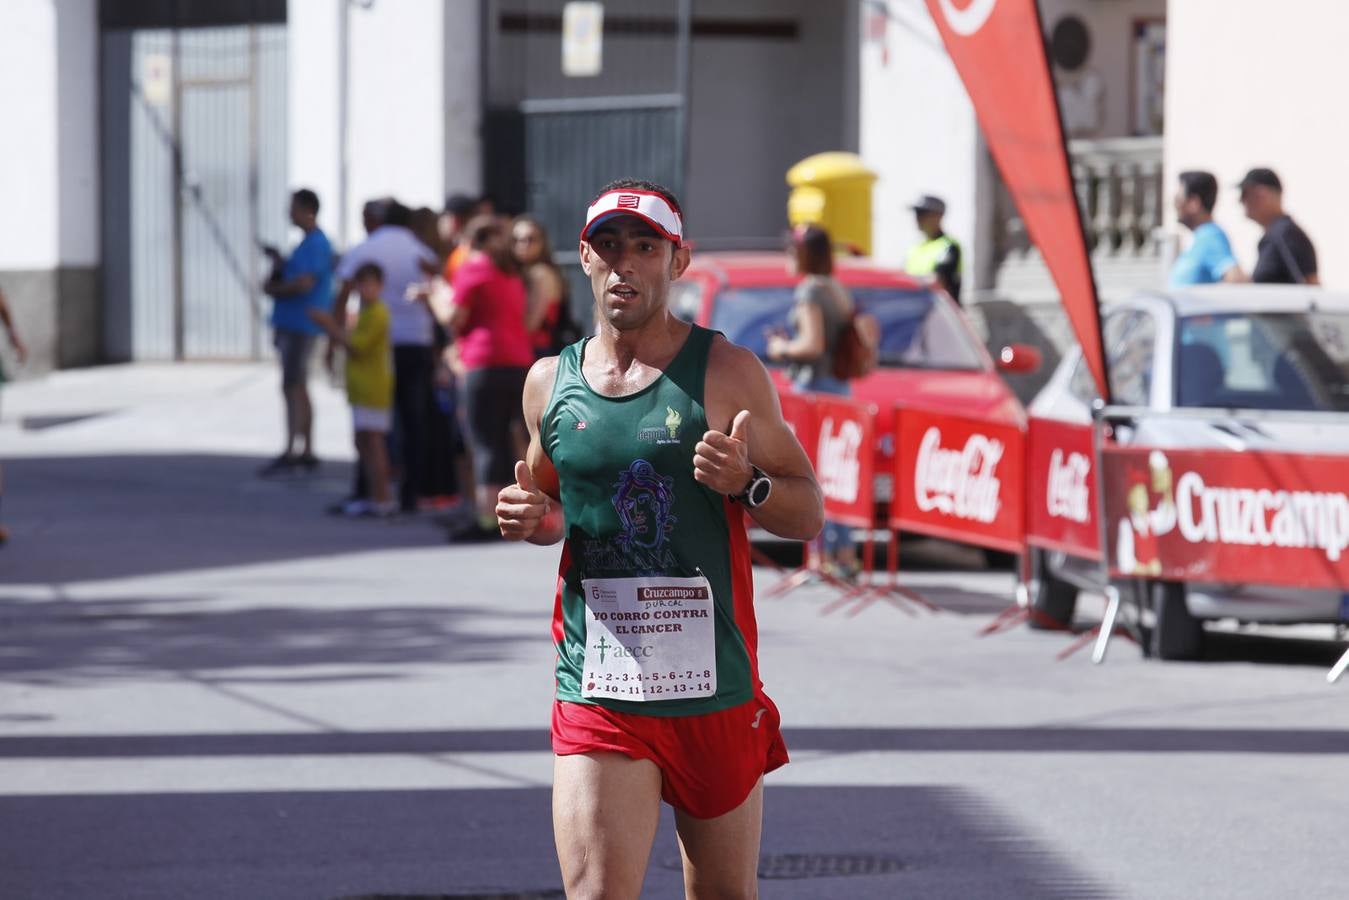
(654, 435)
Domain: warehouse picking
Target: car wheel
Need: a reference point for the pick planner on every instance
(1175, 633)
(1053, 600)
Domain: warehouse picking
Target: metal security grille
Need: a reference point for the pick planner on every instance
(195, 123)
(572, 147)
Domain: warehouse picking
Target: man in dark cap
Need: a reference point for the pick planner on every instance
(938, 255)
(1286, 254)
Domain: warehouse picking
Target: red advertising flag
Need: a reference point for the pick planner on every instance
(1061, 488)
(998, 48)
(1231, 517)
(959, 479)
(845, 460)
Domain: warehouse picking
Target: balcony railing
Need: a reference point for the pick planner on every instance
(1119, 187)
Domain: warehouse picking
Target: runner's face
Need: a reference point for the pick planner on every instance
(630, 269)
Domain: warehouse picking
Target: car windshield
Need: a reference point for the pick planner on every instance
(916, 330)
(1291, 361)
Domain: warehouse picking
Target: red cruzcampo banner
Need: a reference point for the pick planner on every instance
(1227, 516)
(959, 479)
(845, 460)
(998, 48)
(1061, 488)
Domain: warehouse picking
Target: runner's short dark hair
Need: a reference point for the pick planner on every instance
(1202, 185)
(638, 184)
(306, 200)
(369, 270)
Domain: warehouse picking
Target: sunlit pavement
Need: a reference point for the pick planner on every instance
(209, 689)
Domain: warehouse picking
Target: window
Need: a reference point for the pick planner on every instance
(1129, 339)
(1288, 361)
(917, 331)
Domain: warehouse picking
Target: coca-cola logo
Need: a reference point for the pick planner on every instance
(958, 482)
(838, 461)
(1068, 497)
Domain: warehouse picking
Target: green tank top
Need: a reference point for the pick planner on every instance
(635, 516)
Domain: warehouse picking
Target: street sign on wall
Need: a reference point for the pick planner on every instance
(582, 39)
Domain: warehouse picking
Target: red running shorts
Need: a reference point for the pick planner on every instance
(709, 763)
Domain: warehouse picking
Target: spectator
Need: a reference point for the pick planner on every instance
(1286, 254)
(548, 316)
(459, 210)
(297, 285)
(1209, 257)
(818, 319)
(494, 351)
(405, 262)
(20, 353)
(369, 388)
(938, 255)
(426, 226)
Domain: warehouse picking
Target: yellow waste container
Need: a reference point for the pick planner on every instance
(833, 190)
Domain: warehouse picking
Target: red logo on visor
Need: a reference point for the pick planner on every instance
(628, 201)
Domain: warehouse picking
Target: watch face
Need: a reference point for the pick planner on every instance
(759, 491)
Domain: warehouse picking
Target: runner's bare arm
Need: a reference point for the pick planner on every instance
(740, 398)
(530, 509)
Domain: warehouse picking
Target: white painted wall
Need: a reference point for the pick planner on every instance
(1245, 89)
(413, 120)
(48, 162)
(312, 139)
(918, 132)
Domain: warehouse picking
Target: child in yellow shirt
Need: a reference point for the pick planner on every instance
(369, 387)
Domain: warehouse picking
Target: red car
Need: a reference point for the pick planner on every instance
(930, 357)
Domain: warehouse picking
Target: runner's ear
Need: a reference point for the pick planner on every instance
(679, 262)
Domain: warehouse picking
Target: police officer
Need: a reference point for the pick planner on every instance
(937, 256)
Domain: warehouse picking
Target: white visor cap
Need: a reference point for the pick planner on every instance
(650, 207)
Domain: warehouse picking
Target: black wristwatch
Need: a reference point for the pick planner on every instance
(757, 492)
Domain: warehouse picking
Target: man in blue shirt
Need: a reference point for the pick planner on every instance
(1209, 257)
(297, 285)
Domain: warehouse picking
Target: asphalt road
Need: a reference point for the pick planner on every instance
(210, 690)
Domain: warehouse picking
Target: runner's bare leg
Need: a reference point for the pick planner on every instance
(606, 807)
(721, 855)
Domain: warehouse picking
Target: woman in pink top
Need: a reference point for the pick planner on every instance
(488, 320)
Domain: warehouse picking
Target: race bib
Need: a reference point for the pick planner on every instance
(649, 638)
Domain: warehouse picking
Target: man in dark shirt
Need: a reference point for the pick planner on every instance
(1286, 253)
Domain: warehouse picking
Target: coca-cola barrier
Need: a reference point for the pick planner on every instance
(845, 460)
(954, 477)
(1061, 488)
(959, 478)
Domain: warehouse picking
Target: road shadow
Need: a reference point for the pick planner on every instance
(86, 518)
(931, 842)
(101, 639)
(972, 739)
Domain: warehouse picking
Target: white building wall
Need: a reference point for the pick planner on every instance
(313, 32)
(48, 157)
(413, 99)
(28, 165)
(918, 132)
(1246, 88)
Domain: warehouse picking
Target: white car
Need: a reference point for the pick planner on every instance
(1243, 349)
